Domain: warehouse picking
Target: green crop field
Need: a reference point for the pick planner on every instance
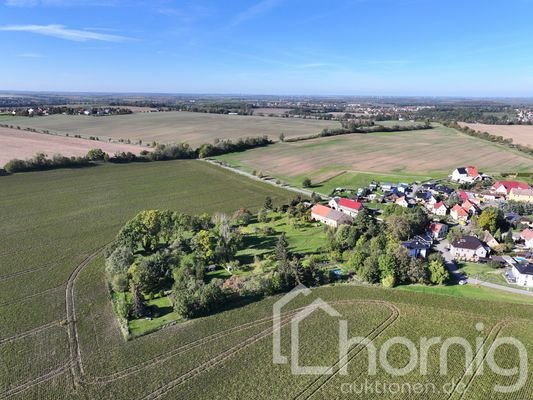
(349, 160)
(59, 337)
(174, 127)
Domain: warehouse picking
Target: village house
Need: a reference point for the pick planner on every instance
(505, 187)
(346, 206)
(438, 231)
(527, 236)
(418, 246)
(468, 196)
(459, 214)
(402, 201)
(439, 209)
(465, 175)
(490, 240)
(329, 216)
(468, 248)
(470, 208)
(522, 274)
(522, 195)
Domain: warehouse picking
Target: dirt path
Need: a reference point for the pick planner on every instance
(305, 192)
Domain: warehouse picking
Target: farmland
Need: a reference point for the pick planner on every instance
(174, 127)
(397, 156)
(20, 144)
(521, 134)
(58, 324)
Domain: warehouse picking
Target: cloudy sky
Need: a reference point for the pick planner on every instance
(357, 47)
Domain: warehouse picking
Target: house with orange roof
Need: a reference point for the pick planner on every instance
(329, 216)
(439, 208)
(458, 213)
(505, 187)
(527, 236)
(437, 230)
(522, 195)
(468, 174)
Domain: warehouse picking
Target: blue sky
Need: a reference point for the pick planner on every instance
(357, 47)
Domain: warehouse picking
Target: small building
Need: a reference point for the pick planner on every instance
(527, 236)
(522, 274)
(439, 209)
(418, 246)
(522, 195)
(465, 175)
(490, 240)
(458, 213)
(470, 208)
(468, 248)
(349, 207)
(329, 216)
(387, 187)
(437, 230)
(402, 201)
(505, 187)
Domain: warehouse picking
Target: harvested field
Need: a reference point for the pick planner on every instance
(174, 126)
(521, 134)
(434, 152)
(20, 144)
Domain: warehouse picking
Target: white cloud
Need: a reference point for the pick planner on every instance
(62, 32)
(255, 10)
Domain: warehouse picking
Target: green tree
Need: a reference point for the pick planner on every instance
(492, 219)
(281, 251)
(306, 183)
(138, 305)
(438, 274)
(95, 155)
(268, 203)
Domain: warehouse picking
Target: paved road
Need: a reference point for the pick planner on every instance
(442, 246)
(272, 182)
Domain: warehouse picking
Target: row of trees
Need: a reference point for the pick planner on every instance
(490, 137)
(353, 127)
(161, 152)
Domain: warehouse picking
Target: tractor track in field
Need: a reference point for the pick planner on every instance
(76, 367)
(29, 333)
(31, 296)
(373, 335)
(206, 366)
(20, 273)
(220, 358)
(36, 381)
(470, 377)
(177, 351)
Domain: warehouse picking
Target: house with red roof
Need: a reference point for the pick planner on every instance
(439, 208)
(468, 174)
(505, 187)
(349, 207)
(527, 236)
(470, 207)
(329, 216)
(437, 230)
(458, 213)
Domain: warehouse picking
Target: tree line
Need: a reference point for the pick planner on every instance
(161, 152)
(492, 138)
(353, 128)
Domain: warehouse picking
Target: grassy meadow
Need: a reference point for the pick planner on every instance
(350, 160)
(174, 126)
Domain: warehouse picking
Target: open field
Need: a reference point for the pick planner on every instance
(20, 144)
(398, 155)
(174, 127)
(58, 328)
(521, 134)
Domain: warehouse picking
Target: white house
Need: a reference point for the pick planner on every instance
(468, 248)
(349, 207)
(458, 213)
(523, 274)
(439, 209)
(437, 230)
(465, 175)
(401, 201)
